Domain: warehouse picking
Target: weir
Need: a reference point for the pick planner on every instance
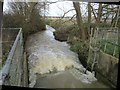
(51, 62)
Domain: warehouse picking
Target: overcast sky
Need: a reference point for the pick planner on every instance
(59, 8)
(56, 9)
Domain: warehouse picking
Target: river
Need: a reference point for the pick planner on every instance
(53, 65)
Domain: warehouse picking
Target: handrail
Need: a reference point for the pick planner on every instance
(11, 28)
(5, 69)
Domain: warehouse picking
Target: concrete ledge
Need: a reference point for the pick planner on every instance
(108, 66)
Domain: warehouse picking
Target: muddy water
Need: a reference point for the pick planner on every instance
(53, 65)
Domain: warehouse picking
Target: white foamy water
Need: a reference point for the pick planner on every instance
(46, 55)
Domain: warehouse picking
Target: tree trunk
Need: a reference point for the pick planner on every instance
(98, 18)
(93, 13)
(89, 17)
(99, 15)
(79, 20)
(114, 20)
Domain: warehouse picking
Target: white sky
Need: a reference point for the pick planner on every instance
(56, 9)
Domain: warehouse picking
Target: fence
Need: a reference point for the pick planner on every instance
(12, 70)
(103, 53)
(109, 41)
(105, 39)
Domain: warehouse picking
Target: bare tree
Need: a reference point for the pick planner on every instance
(89, 15)
(99, 15)
(26, 15)
(79, 20)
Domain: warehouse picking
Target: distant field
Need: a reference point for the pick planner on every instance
(60, 22)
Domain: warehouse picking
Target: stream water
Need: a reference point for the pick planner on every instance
(53, 65)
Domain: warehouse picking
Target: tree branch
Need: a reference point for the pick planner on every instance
(67, 12)
(70, 18)
(93, 12)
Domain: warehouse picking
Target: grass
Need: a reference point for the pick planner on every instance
(111, 43)
(110, 48)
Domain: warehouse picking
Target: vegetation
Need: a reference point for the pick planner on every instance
(61, 22)
(24, 15)
(77, 34)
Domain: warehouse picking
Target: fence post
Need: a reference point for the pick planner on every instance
(95, 50)
(88, 59)
(105, 42)
(114, 49)
(116, 44)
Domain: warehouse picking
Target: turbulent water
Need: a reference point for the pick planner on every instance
(54, 60)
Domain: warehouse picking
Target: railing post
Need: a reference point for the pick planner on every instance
(105, 42)
(114, 52)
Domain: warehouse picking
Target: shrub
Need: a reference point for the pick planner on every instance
(18, 21)
(24, 15)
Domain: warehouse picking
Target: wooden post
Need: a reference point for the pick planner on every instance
(89, 56)
(116, 42)
(115, 48)
(95, 50)
(106, 42)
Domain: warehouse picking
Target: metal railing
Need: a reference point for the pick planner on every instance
(11, 72)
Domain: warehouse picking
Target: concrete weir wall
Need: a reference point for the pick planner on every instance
(107, 66)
